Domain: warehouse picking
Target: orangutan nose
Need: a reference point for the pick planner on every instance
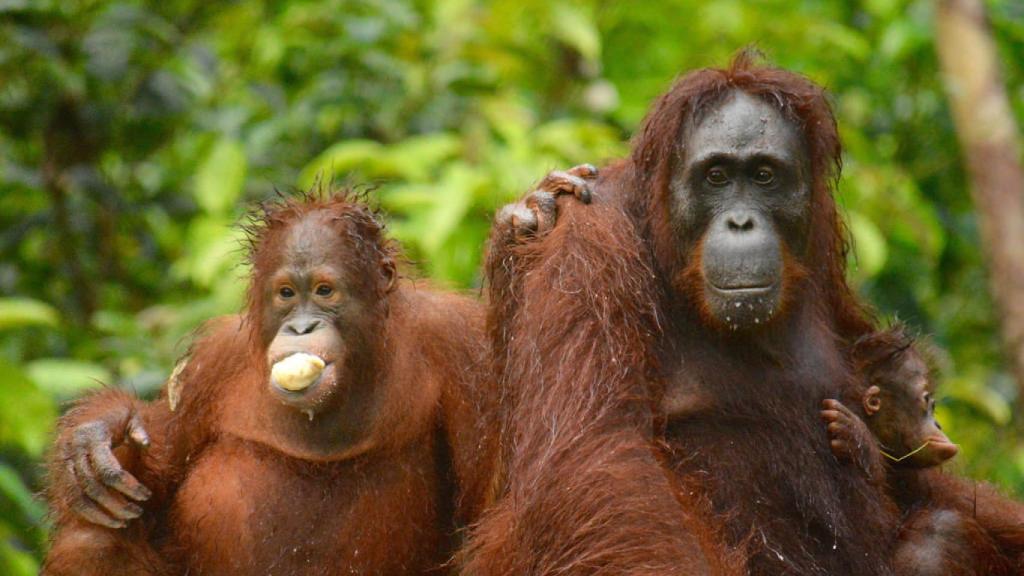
(301, 327)
(740, 221)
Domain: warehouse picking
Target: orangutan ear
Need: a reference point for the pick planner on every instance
(872, 400)
(389, 274)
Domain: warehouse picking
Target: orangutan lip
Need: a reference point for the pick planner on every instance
(944, 444)
(741, 290)
(277, 358)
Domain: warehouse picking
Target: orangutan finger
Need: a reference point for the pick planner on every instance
(830, 415)
(110, 473)
(116, 506)
(831, 404)
(137, 433)
(586, 171)
(90, 511)
(558, 183)
(544, 206)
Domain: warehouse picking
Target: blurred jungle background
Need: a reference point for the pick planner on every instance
(133, 135)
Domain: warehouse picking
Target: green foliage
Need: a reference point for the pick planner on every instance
(134, 134)
(22, 312)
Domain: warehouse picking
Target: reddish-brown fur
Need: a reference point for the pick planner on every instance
(956, 527)
(231, 496)
(587, 491)
(951, 526)
(585, 316)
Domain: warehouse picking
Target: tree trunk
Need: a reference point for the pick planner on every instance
(990, 141)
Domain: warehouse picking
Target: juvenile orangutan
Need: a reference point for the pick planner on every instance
(336, 427)
(892, 435)
(346, 423)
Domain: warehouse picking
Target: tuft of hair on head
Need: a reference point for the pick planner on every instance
(879, 352)
(349, 204)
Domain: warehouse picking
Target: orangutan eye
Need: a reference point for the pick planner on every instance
(717, 177)
(286, 292)
(764, 176)
(324, 290)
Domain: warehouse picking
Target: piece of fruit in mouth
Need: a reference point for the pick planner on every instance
(298, 371)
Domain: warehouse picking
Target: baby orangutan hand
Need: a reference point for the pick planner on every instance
(849, 438)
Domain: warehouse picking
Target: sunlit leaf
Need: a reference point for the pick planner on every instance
(452, 199)
(576, 28)
(580, 141)
(970, 388)
(414, 158)
(221, 177)
(846, 39)
(64, 377)
(339, 159)
(406, 198)
(24, 312)
(869, 245)
(215, 248)
(26, 413)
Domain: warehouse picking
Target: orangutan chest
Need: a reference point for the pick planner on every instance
(245, 512)
(772, 480)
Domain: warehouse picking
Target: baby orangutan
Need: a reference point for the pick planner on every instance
(897, 406)
(891, 434)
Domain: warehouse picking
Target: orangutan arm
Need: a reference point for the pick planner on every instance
(573, 328)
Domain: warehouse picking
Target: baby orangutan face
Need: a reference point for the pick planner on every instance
(900, 412)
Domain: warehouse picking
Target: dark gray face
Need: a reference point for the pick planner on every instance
(742, 194)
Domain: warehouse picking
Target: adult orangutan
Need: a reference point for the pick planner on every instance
(338, 427)
(669, 346)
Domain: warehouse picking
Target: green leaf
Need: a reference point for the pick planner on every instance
(407, 198)
(26, 413)
(578, 140)
(848, 40)
(970, 387)
(66, 378)
(215, 250)
(14, 490)
(869, 245)
(576, 28)
(14, 561)
(24, 312)
(339, 159)
(452, 200)
(221, 177)
(415, 158)
(993, 404)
